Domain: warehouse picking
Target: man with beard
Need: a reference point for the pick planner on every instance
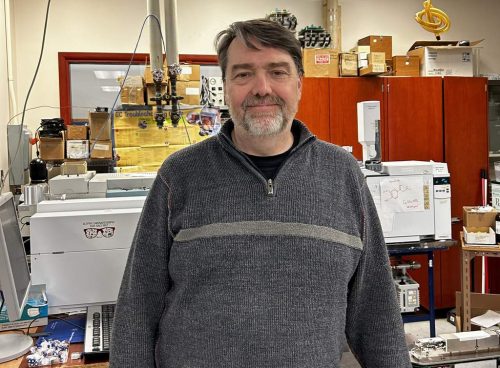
(260, 247)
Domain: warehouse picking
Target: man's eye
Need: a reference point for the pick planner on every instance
(279, 73)
(242, 75)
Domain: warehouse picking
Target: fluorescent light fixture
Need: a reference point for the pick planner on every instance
(110, 88)
(108, 74)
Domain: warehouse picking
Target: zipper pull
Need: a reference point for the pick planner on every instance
(270, 188)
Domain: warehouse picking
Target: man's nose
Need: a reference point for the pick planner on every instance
(261, 85)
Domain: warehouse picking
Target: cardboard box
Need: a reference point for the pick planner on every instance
(132, 92)
(132, 96)
(376, 58)
(51, 148)
(76, 132)
(372, 69)
(190, 91)
(408, 66)
(36, 307)
(73, 168)
(378, 44)
(444, 60)
(101, 149)
(77, 149)
(321, 63)
(348, 65)
(189, 72)
(479, 236)
(474, 218)
(480, 304)
(100, 126)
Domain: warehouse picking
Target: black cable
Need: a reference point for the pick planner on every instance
(27, 96)
(126, 73)
(3, 300)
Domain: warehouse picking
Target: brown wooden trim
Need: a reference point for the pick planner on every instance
(67, 58)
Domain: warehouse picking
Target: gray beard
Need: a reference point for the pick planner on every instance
(264, 124)
(261, 124)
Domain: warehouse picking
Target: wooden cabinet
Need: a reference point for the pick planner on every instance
(422, 118)
(466, 152)
(413, 124)
(314, 107)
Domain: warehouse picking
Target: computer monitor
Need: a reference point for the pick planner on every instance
(15, 278)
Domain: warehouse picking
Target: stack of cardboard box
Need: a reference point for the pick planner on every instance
(188, 84)
(375, 55)
(100, 135)
(77, 143)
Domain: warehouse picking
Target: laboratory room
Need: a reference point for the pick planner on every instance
(287, 184)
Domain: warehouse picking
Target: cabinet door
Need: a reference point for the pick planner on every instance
(314, 107)
(413, 127)
(345, 93)
(466, 152)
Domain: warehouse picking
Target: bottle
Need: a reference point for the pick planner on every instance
(497, 227)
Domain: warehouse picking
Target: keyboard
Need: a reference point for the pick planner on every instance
(98, 329)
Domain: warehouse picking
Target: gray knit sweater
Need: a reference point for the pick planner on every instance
(230, 270)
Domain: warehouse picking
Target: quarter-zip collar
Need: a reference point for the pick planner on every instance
(224, 138)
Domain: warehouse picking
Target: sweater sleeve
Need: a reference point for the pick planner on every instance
(374, 326)
(145, 283)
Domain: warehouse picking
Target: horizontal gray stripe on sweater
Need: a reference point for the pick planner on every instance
(269, 228)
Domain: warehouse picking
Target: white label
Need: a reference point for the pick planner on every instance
(322, 59)
(186, 70)
(102, 147)
(192, 91)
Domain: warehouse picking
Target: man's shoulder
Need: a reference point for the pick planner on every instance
(334, 149)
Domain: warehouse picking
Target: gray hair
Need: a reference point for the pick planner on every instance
(266, 32)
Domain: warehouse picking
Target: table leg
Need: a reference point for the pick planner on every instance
(466, 307)
(432, 314)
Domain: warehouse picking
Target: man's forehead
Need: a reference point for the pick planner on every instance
(240, 53)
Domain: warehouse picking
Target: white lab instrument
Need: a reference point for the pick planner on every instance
(79, 249)
(413, 200)
(368, 129)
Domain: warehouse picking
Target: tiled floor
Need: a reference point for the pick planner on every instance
(415, 330)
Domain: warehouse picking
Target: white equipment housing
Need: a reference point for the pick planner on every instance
(368, 129)
(413, 200)
(79, 249)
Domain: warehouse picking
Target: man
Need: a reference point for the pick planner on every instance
(260, 247)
